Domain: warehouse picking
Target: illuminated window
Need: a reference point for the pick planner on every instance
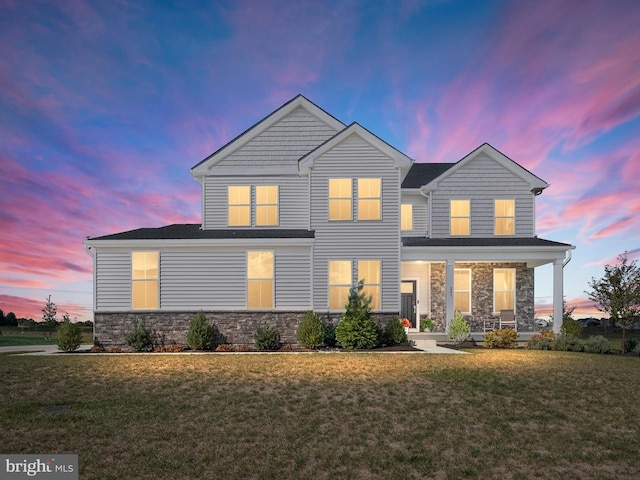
(460, 217)
(505, 212)
(504, 289)
(369, 199)
(266, 205)
(239, 206)
(369, 271)
(406, 216)
(462, 290)
(339, 283)
(144, 280)
(260, 279)
(340, 199)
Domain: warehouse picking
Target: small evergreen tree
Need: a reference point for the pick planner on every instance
(49, 313)
(458, 329)
(394, 333)
(357, 329)
(200, 335)
(141, 337)
(310, 331)
(68, 335)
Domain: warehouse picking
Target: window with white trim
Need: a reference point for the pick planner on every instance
(266, 205)
(460, 217)
(260, 279)
(504, 289)
(462, 290)
(369, 271)
(340, 280)
(505, 216)
(369, 194)
(340, 198)
(239, 206)
(144, 280)
(406, 216)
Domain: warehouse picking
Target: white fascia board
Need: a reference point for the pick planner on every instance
(203, 242)
(529, 255)
(299, 101)
(400, 160)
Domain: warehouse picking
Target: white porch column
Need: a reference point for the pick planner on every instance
(558, 269)
(449, 291)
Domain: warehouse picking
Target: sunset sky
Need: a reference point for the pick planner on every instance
(105, 105)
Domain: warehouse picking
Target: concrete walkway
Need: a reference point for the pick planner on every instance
(37, 349)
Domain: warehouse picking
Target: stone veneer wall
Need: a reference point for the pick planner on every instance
(236, 328)
(482, 295)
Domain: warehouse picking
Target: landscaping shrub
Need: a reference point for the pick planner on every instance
(357, 329)
(224, 347)
(140, 338)
(200, 335)
(571, 327)
(310, 331)
(329, 335)
(630, 344)
(394, 333)
(597, 344)
(568, 343)
(545, 340)
(458, 330)
(68, 336)
(267, 338)
(637, 349)
(501, 338)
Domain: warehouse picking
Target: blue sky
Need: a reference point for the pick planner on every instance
(105, 105)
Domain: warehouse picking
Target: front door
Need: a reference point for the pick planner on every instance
(408, 301)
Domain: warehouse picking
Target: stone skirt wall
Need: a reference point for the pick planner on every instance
(237, 328)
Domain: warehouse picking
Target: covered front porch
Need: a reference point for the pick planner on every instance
(479, 278)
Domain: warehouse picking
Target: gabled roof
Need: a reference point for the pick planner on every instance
(399, 158)
(193, 231)
(298, 101)
(422, 173)
(535, 182)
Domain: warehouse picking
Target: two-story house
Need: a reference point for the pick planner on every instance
(300, 207)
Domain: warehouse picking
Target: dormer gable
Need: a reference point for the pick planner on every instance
(400, 159)
(536, 184)
(272, 142)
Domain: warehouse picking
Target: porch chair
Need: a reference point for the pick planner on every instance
(488, 324)
(508, 319)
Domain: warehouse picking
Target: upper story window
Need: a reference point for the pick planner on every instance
(340, 198)
(460, 217)
(369, 192)
(505, 213)
(340, 276)
(406, 216)
(504, 289)
(239, 206)
(462, 290)
(260, 279)
(369, 271)
(144, 280)
(266, 205)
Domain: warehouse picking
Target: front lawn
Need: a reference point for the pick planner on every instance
(492, 414)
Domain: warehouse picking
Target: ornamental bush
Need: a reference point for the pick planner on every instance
(329, 330)
(394, 333)
(310, 330)
(545, 340)
(501, 338)
(571, 327)
(68, 336)
(597, 344)
(267, 338)
(458, 330)
(568, 343)
(200, 335)
(357, 329)
(140, 338)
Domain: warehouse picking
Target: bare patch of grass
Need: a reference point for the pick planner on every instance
(492, 414)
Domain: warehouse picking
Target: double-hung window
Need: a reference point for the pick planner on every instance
(260, 279)
(144, 280)
(340, 278)
(266, 205)
(462, 290)
(239, 206)
(340, 198)
(504, 289)
(460, 217)
(505, 213)
(406, 216)
(369, 271)
(369, 192)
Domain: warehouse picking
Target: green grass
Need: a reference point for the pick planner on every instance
(15, 336)
(492, 414)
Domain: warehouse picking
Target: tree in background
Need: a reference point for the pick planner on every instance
(49, 313)
(618, 293)
(11, 320)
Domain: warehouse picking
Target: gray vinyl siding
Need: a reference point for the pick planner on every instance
(482, 181)
(283, 143)
(356, 240)
(293, 278)
(293, 199)
(113, 281)
(420, 214)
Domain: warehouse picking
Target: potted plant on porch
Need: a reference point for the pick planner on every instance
(426, 324)
(406, 324)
